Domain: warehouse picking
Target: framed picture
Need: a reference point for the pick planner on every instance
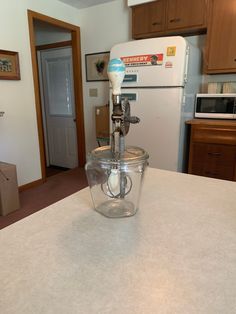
(96, 66)
(9, 65)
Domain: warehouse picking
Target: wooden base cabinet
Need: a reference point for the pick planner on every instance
(212, 150)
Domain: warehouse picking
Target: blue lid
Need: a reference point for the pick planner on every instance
(116, 65)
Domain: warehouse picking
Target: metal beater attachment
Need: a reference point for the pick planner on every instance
(119, 183)
(121, 118)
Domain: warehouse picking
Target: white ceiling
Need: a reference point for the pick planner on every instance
(81, 4)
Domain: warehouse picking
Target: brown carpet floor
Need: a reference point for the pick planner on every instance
(54, 189)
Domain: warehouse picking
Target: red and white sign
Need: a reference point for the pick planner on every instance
(143, 60)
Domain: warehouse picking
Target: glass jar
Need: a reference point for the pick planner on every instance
(115, 183)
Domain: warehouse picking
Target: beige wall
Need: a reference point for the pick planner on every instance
(18, 128)
(102, 27)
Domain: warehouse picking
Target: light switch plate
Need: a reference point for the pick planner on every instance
(93, 92)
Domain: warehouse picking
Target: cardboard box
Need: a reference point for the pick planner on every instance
(9, 194)
(102, 119)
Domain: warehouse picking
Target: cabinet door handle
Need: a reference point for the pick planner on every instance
(175, 20)
(156, 23)
(214, 154)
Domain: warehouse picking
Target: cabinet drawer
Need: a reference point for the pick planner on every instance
(222, 153)
(212, 160)
(224, 173)
(216, 135)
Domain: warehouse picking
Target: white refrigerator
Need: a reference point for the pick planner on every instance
(162, 78)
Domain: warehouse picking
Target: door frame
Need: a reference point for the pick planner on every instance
(78, 94)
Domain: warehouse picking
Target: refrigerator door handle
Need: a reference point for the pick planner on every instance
(186, 65)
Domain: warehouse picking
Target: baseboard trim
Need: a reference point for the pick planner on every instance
(31, 185)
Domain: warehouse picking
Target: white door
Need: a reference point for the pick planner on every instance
(59, 107)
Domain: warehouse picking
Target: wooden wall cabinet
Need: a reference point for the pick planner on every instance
(186, 15)
(168, 17)
(148, 19)
(212, 150)
(221, 43)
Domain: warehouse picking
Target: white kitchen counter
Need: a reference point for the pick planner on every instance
(176, 255)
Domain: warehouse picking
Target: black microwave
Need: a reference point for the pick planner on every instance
(215, 106)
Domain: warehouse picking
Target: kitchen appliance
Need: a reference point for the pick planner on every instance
(161, 80)
(115, 172)
(215, 106)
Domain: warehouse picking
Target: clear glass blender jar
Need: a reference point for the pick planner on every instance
(115, 183)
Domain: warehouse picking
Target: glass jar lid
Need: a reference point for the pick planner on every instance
(131, 154)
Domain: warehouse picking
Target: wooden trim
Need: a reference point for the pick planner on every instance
(213, 122)
(67, 43)
(220, 71)
(52, 21)
(37, 94)
(190, 155)
(76, 55)
(208, 36)
(31, 185)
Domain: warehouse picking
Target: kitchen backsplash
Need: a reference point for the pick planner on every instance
(221, 87)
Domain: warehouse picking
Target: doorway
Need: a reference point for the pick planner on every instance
(70, 114)
(58, 107)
